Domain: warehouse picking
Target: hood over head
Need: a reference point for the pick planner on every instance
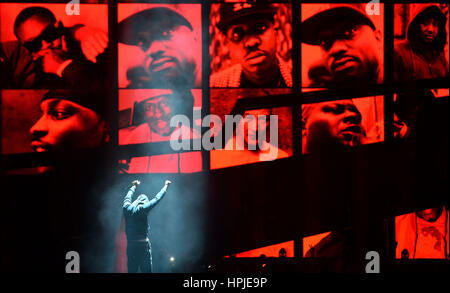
(413, 33)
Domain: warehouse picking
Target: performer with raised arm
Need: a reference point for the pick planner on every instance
(138, 243)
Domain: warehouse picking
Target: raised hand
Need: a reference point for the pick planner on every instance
(93, 42)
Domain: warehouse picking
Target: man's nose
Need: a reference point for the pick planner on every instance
(431, 27)
(156, 49)
(40, 128)
(158, 112)
(338, 48)
(352, 117)
(252, 41)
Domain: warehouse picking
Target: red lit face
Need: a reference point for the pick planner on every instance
(66, 125)
(252, 124)
(429, 28)
(172, 55)
(339, 121)
(350, 50)
(38, 30)
(252, 43)
(158, 114)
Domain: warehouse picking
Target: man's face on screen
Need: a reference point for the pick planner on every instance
(38, 35)
(170, 56)
(429, 28)
(158, 112)
(350, 50)
(66, 125)
(252, 43)
(338, 121)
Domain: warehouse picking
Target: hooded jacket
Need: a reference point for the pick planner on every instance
(413, 58)
(136, 212)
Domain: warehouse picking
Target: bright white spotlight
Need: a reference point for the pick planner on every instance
(172, 259)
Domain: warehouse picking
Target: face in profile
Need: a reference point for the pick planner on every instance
(254, 126)
(429, 28)
(350, 50)
(38, 35)
(252, 43)
(157, 113)
(170, 56)
(337, 121)
(66, 125)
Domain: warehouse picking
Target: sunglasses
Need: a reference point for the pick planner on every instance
(152, 105)
(49, 34)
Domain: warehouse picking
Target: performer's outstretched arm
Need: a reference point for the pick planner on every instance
(127, 200)
(147, 206)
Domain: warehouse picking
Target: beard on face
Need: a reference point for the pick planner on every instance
(180, 76)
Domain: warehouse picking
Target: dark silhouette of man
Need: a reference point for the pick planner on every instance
(136, 226)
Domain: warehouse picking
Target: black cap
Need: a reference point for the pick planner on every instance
(92, 99)
(328, 18)
(231, 12)
(155, 20)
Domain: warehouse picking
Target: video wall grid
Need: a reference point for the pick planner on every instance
(305, 75)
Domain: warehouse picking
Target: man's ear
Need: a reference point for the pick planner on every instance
(378, 36)
(196, 35)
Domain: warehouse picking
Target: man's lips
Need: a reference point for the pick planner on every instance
(354, 129)
(342, 63)
(256, 57)
(39, 147)
(162, 63)
(429, 36)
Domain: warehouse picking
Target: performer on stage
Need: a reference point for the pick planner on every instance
(138, 244)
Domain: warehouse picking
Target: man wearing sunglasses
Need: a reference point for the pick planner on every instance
(50, 55)
(250, 36)
(151, 123)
